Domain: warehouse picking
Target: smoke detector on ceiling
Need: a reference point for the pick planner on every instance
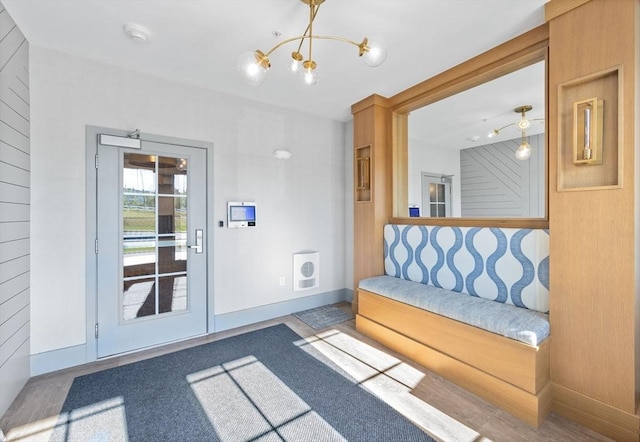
(136, 32)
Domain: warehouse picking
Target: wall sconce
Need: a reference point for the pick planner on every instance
(587, 131)
(363, 182)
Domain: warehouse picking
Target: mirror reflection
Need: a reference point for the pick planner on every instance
(481, 152)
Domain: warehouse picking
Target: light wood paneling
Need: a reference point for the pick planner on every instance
(15, 180)
(592, 232)
(370, 127)
(531, 408)
(555, 8)
(522, 365)
(608, 420)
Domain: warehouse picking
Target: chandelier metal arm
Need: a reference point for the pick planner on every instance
(363, 46)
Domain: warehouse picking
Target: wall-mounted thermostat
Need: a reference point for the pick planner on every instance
(241, 214)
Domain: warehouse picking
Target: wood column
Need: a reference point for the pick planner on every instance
(372, 206)
(594, 289)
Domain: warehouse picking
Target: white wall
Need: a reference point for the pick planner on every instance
(425, 158)
(301, 202)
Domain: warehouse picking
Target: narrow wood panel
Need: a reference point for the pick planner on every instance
(13, 305)
(15, 322)
(16, 100)
(11, 43)
(15, 341)
(529, 407)
(14, 156)
(10, 251)
(14, 231)
(14, 139)
(14, 267)
(504, 358)
(10, 193)
(10, 212)
(13, 287)
(592, 232)
(14, 175)
(11, 117)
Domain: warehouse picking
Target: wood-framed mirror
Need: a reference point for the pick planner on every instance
(446, 170)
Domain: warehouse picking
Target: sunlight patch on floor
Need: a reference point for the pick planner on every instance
(244, 400)
(389, 379)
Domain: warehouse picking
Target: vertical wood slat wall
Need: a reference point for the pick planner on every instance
(594, 297)
(14, 210)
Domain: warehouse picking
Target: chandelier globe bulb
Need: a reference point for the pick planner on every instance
(375, 53)
(523, 152)
(253, 66)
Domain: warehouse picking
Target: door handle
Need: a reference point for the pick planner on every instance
(198, 245)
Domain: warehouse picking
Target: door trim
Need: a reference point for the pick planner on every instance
(91, 275)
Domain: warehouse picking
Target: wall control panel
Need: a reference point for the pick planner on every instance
(241, 214)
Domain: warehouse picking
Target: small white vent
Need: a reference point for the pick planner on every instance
(306, 270)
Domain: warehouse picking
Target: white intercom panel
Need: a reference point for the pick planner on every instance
(241, 214)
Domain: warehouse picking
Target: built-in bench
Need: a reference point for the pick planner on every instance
(470, 304)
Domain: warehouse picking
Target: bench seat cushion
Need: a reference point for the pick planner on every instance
(528, 326)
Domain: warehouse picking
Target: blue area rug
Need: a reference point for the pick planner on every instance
(256, 386)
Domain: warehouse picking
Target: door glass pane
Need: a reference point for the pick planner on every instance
(139, 298)
(172, 179)
(139, 215)
(432, 192)
(173, 293)
(154, 238)
(172, 255)
(139, 174)
(139, 256)
(440, 193)
(180, 214)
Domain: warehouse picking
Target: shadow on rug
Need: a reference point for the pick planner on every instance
(256, 386)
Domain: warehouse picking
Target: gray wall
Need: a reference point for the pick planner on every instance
(494, 183)
(14, 210)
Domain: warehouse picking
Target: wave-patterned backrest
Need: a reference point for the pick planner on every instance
(504, 265)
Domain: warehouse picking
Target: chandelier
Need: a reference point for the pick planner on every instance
(523, 152)
(253, 65)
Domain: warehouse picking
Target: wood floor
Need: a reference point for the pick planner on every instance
(34, 412)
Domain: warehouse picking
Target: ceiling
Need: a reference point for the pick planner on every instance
(199, 41)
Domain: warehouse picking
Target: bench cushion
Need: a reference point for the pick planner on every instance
(528, 326)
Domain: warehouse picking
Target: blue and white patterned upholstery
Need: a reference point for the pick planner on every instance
(504, 265)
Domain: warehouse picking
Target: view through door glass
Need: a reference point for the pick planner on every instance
(151, 283)
(155, 235)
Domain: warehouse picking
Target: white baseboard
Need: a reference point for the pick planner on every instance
(265, 312)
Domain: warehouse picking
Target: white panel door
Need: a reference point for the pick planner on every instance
(151, 221)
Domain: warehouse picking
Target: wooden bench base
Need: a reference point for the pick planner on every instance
(509, 374)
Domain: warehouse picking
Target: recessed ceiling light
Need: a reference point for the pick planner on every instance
(136, 32)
